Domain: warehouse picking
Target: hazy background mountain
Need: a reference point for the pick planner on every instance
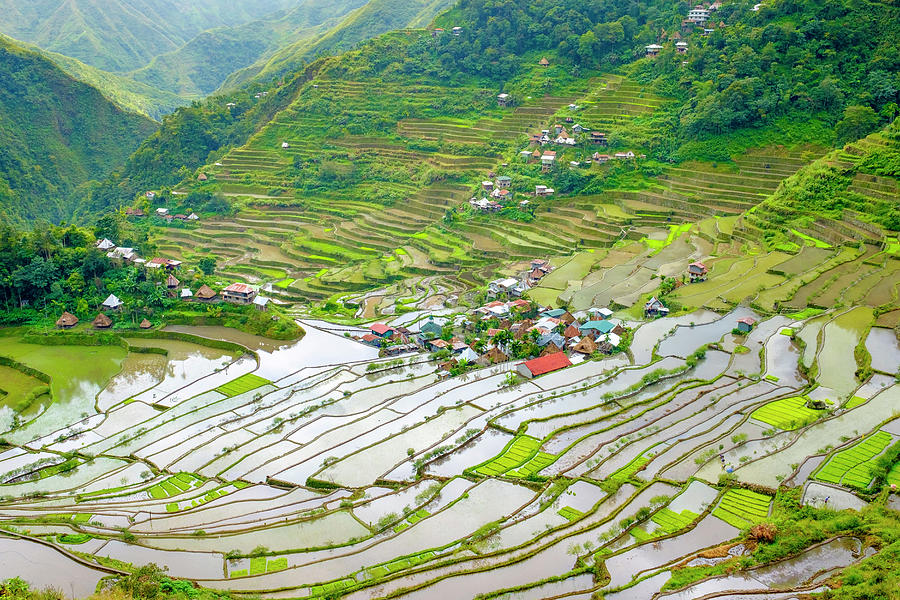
(124, 35)
(56, 133)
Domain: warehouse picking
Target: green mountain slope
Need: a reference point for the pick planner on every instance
(55, 134)
(130, 95)
(201, 65)
(122, 35)
(372, 19)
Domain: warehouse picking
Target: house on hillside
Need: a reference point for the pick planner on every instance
(492, 357)
(624, 155)
(697, 271)
(655, 308)
(123, 255)
(503, 100)
(681, 47)
(600, 158)
(543, 365)
(577, 128)
(487, 186)
(544, 62)
(112, 302)
(746, 324)
(598, 137)
(261, 303)
(202, 177)
(548, 160)
(504, 181)
(167, 263)
(172, 282)
(239, 293)
(205, 294)
(105, 244)
(101, 321)
(186, 294)
(560, 314)
(653, 49)
(456, 30)
(67, 320)
(381, 330)
(698, 15)
(585, 345)
(430, 328)
(145, 324)
(285, 145)
(508, 287)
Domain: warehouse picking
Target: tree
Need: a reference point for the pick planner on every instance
(858, 122)
(207, 265)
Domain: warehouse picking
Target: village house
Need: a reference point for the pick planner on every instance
(381, 330)
(653, 49)
(105, 244)
(504, 181)
(487, 186)
(134, 212)
(437, 345)
(261, 303)
(202, 177)
(578, 128)
(603, 313)
(508, 286)
(430, 328)
(655, 308)
(205, 294)
(193, 217)
(456, 30)
(698, 15)
(697, 271)
(585, 345)
(526, 154)
(746, 324)
(239, 293)
(598, 137)
(486, 205)
(681, 47)
(372, 340)
(560, 314)
(597, 328)
(124, 255)
(167, 263)
(112, 303)
(492, 357)
(543, 365)
(624, 155)
(172, 282)
(503, 100)
(67, 320)
(186, 294)
(548, 160)
(542, 190)
(101, 321)
(285, 145)
(544, 62)
(145, 324)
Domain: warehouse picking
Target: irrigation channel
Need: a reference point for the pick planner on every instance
(314, 468)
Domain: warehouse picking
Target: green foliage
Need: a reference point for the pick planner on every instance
(56, 133)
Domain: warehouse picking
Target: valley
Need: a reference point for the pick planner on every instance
(431, 299)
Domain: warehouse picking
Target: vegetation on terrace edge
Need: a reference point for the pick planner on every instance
(50, 269)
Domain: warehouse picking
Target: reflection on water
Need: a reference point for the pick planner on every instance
(44, 567)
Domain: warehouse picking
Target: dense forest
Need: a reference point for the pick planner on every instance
(55, 134)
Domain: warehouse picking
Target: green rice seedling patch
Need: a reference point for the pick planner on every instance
(174, 486)
(742, 508)
(332, 588)
(517, 453)
(81, 518)
(787, 331)
(811, 240)
(238, 573)
(853, 466)
(893, 476)
(73, 538)
(772, 378)
(787, 413)
(271, 272)
(418, 516)
(891, 245)
(277, 564)
(630, 470)
(805, 314)
(172, 507)
(671, 521)
(400, 527)
(284, 283)
(854, 402)
(569, 513)
(739, 349)
(258, 565)
(242, 384)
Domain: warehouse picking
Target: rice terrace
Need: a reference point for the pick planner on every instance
(374, 299)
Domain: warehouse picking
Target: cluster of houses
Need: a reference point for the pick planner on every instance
(498, 194)
(555, 332)
(163, 213)
(514, 287)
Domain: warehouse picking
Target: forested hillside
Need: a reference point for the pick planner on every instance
(374, 18)
(55, 134)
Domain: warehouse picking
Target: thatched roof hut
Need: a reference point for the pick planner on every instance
(145, 324)
(205, 293)
(172, 282)
(586, 345)
(101, 321)
(67, 320)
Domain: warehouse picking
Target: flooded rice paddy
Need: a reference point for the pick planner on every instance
(327, 476)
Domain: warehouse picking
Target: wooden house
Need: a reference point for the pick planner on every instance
(697, 271)
(746, 324)
(239, 293)
(205, 293)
